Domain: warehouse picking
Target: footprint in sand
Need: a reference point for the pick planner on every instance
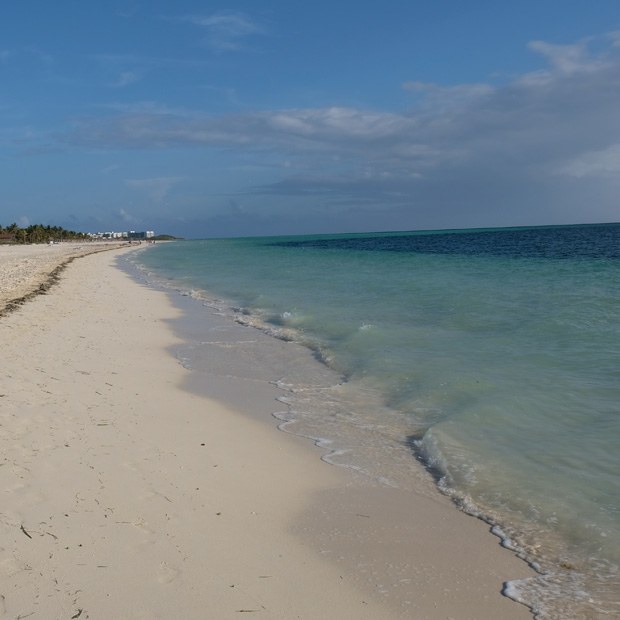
(167, 573)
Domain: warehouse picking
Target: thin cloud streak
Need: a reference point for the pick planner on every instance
(126, 78)
(226, 31)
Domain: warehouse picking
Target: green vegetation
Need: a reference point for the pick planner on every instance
(37, 233)
(164, 238)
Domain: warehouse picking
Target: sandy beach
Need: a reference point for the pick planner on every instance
(129, 493)
(25, 270)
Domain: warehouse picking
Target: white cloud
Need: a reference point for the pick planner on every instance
(126, 78)
(127, 217)
(444, 96)
(294, 130)
(226, 30)
(564, 60)
(603, 163)
(333, 123)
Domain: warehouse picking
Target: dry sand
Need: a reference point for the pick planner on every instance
(26, 270)
(126, 496)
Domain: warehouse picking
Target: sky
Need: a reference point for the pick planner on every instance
(208, 119)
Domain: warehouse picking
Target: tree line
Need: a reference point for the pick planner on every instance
(37, 233)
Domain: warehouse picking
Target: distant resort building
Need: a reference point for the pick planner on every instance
(37, 233)
(131, 234)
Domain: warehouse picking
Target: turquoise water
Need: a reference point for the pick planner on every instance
(490, 355)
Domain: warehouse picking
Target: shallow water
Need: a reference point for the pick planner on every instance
(491, 355)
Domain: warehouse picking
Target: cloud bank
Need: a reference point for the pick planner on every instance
(530, 150)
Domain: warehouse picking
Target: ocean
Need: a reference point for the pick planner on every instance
(490, 356)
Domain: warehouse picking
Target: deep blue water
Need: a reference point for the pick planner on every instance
(552, 242)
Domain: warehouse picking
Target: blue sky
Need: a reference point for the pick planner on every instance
(201, 118)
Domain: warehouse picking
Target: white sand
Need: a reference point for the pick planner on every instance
(125, 496)
(23, 268)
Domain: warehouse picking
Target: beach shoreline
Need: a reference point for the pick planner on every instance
(134, 489)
